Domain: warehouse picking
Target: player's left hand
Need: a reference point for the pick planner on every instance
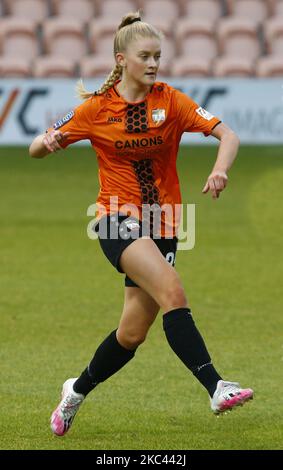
(216, 182)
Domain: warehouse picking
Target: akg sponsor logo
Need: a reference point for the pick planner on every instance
(113, 119)
(139, 143)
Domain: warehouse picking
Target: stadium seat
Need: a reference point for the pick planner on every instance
(199, 45)
(82, 10)
(101, 28)
(270, 66)
(15, 67)
(36, 10)
(116, 9)
(196, 38)
(18, 38)
(164, 68)
(227, 66)
(258, 10)
(278, 8)
(203, 9)
(168, 50)
(165, 9)
(64, 36)
(161, 24)
(273, 33)
(104, 46)
(191, 67)
(238, 37)
(50, 66)
(96, 66)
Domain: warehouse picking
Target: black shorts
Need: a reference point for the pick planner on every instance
(116, 232)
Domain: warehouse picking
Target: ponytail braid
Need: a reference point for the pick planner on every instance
(110, 80)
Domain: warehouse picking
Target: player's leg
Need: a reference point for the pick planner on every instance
(139, 312)
(143, 262)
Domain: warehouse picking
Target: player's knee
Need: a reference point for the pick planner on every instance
(173, 296)
(131, 339)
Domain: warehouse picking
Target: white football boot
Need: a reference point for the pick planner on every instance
(228, 395)
(62, 417)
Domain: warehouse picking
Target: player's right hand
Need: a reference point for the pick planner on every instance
(53, 139)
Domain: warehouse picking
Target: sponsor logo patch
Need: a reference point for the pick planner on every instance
(205, 114)
(63, 121)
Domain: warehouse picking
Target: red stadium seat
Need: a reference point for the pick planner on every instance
(278, 8)
(168, 51)
(196, 38)
(18, 38)
(273, 33)
(191, 67)
(270, 66)
(101, 28)
(199, 45)
(161, 24)
(15, 67)
(104, 46)
(165, 9)
(82, 10)
(204, 9)
(50, 66)
(116, 9)
(227, 66)
(258, 10)
(96, 66)
(238, 37)
(36, 10)
(164, 68)
(64, 37)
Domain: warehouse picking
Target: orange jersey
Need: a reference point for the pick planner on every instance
(137, 143)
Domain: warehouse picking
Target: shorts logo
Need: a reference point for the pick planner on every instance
(131, 224)
(205, 114)
(63, 121)
(158, 115)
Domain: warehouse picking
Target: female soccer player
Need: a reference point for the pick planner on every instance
(135, 125)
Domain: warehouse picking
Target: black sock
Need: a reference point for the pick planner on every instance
(109, 357)
(186, 341)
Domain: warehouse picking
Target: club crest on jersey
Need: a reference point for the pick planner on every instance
(158, 115)
(63, 121)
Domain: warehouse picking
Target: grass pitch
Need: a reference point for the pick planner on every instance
(59, 298)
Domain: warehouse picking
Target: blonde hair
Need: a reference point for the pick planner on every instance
(130, 28)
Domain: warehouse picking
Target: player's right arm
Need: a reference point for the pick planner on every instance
(77, 125)
(47, 143)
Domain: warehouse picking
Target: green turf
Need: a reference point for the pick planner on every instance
(59, 298)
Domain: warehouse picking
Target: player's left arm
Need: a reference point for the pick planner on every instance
(227, 151)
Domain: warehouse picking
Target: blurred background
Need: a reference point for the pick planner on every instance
(203, 38)
(59, 297)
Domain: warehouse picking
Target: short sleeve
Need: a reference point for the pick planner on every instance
(192, 117)
(78, 122)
